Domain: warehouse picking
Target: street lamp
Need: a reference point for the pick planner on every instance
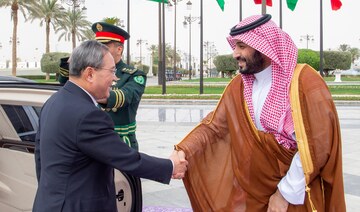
(74, 4)
(307, 38)
(139, 43)
(161, 46)
(209, 48)
(128, 31)
(187, 21)
(17, 41)
(169, 6)
(121, 23)
(188, 5)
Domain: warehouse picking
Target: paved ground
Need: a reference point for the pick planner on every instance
(162, 126)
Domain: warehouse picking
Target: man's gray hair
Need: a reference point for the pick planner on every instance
(88, 54)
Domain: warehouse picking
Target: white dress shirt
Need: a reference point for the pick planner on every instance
(292, 185)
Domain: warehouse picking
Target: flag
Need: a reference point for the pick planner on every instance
(335, 4)
(291, 4)
(221, 4)
(160, 1)
(268, 2)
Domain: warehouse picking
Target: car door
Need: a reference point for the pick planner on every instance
(19, 108)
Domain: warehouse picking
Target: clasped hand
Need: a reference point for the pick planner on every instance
(180, 164)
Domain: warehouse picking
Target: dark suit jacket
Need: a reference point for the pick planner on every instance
(76, 150)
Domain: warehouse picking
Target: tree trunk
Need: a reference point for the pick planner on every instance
(14, 40)
(73, 37)
(47, 49)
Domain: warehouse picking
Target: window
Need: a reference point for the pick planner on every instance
(24, 120)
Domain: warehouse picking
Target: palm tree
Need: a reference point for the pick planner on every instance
(344, 47)
(49, 12)
(74, 26)
(88, 35)
(114, 21)
(155, 57)
(15, 5)
(169, 51)
(355, 54)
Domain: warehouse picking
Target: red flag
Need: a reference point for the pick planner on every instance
(268, 2)
(335, 4)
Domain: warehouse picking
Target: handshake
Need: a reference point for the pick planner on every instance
(180, 164)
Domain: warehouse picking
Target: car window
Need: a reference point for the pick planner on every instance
(24, 120)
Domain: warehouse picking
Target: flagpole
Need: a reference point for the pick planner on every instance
(201, 49)
(240, 10)
(163, 49)
(128, 30)
(263, 7)
(321, 40)
(280, 5)
(159, 50)
(174, 60)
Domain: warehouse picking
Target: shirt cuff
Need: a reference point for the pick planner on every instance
(172, 162)
(292, 185)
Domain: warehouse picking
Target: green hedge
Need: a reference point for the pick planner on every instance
(50, 61)
(309, 57)
(337, 60)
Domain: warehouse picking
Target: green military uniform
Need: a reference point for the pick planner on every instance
(63, 70)
(124, 101)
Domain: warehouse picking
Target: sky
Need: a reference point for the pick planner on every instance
(339, 27)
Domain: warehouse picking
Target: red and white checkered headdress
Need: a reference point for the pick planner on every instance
(270, 40)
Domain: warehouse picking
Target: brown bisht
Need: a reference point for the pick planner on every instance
(235, 167)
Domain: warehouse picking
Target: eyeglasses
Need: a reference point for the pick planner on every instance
(113, 71)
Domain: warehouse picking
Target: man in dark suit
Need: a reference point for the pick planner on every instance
(77, 148)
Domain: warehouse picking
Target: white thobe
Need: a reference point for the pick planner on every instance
(292, 185)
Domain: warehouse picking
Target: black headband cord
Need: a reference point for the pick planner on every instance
(237, 31)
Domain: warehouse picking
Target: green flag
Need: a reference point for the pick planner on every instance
(221, 4)
(160, 1)
(291, 4)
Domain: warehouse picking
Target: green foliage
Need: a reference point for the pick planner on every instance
(74, 27)
(337, 60)
(50, 61)
(344, 89)
(155, 70)
(144, 68)
(226, 64)
(218, 89)
(309, 57)
(185, 89)
(169, 54)
(355, 54)
(114, 21)
(344, 47)
(49, 13)
(182, 71)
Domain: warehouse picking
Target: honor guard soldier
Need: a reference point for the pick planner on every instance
(126, 92)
